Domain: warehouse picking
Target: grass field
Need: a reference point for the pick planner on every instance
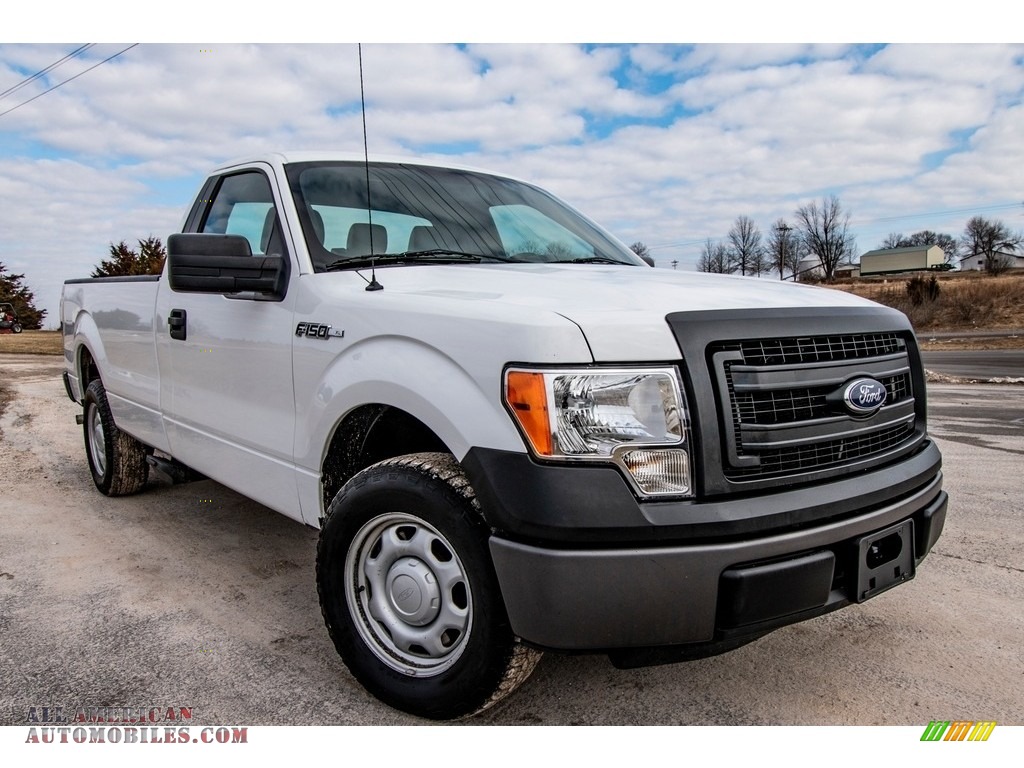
(966, 301)
(31, 343)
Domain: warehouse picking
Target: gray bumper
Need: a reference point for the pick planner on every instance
(613, 598)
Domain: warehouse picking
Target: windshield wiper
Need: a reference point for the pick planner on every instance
(434, 255)
(595, 260)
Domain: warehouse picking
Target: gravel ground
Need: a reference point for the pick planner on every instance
(192, 595)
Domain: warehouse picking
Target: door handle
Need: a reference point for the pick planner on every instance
(176, 324)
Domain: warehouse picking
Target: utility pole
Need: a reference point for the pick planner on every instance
(783, 229)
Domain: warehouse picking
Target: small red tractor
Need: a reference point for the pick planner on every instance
(9, 319)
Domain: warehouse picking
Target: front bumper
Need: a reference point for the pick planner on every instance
(714, 591)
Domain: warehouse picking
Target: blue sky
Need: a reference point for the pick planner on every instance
(661, 142)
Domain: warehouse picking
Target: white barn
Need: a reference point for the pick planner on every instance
(912, 259)
(977, 262)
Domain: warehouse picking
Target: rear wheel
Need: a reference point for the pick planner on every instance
(16, 327)
(117, 460)
(409, 594)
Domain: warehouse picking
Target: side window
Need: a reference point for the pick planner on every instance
(244, 205)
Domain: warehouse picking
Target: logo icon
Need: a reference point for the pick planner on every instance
(958, 730)
(863, 397)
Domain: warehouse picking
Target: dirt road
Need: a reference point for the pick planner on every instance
(192, 595)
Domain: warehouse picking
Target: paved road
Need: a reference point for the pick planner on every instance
(192, 595)
(976, 364)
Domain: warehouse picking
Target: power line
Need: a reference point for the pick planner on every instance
(42, 72)
(677, 245)
(75, 77)
(950, 212)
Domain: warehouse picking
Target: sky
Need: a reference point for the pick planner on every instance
(665, 141)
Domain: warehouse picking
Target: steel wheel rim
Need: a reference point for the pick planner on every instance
(408, 594)
(97, 441)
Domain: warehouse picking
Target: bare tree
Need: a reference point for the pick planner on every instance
(745, 243)
(714, 258)
(825, 231)
(705, 261)
(783, 249)
(640, 249)
(894, 240)
(761, 263)
(992, 240)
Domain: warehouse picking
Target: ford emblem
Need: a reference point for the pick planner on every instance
(863, 397)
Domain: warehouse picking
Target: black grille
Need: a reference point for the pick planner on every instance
(827, 454)
(802, 404)
(819, 349)
(781, 410)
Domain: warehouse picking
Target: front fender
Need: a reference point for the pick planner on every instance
(414, 377)
(402, 373)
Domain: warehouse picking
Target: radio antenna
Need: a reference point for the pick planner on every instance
(373, 285)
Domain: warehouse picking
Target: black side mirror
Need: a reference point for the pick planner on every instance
(202, 263)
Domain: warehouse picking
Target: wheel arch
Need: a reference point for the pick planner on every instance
(86, 367)
(89, 352)
(368, 434)
(389, 397)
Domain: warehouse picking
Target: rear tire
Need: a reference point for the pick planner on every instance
(16, 327)
(409, 594)
(117, 460)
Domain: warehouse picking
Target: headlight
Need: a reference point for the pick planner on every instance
(635, 418)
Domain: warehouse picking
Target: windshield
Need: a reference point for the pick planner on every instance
(421, 209)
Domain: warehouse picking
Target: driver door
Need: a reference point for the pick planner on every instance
(226, 388)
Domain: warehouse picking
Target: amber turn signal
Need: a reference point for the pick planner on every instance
(527, 396)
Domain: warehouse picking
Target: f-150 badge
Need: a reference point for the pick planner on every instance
(318, 331)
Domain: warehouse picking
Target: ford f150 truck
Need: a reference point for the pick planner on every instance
(511, 432)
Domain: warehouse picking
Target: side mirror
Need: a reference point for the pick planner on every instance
(224, 264)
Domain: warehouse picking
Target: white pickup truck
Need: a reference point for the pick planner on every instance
(512, 433)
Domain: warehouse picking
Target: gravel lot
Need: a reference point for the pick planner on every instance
(194, 596)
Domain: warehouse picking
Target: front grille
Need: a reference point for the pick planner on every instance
(781, 407)
(826, 454)
(819, 349)
(801, 404)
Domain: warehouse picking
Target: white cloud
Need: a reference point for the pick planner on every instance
(697, 137)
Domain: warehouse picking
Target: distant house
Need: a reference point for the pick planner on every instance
(977, 261)
(810, 266)
(847, 270)
(884, 261)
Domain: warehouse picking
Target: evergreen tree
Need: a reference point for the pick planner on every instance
(13, 291)
(123, 261)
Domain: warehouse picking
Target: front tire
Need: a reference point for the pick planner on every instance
(117, 460)
(409, 594)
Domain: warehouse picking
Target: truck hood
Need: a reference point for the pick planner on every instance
(621, 310)
(590, 287)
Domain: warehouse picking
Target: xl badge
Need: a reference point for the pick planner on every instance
(863, 397)
(317, 331)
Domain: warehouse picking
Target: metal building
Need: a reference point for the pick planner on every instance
(912, 259)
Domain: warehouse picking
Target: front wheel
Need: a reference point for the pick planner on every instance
(409, 594)
(117, 460)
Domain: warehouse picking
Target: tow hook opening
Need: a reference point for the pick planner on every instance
(886, 558)
(884, 551)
